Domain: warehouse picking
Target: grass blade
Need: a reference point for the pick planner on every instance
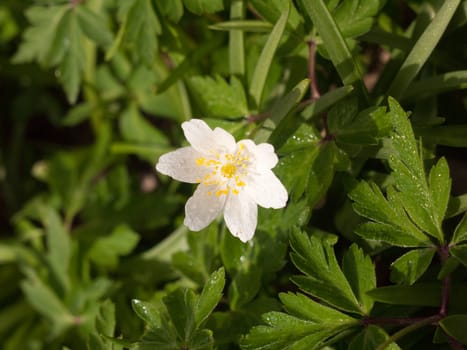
(265, 59)
(422, 49)
(333, 41)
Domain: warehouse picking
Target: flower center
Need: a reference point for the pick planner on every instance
(226, 171)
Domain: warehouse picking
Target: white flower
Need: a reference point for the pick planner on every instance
(234, 178)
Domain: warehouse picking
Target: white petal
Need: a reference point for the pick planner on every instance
(205, 140)
(266, 190)
(201, 208)
(264, 155)
(225, 141)
(181, 165)
(241, 216)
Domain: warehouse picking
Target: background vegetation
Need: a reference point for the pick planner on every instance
(372, 245)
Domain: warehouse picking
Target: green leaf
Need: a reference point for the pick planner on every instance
(301, 306)
(210, 296)
(105, 328)
(139, 30)
(243, 25)
(244, 287)
(41, 36)
(93, 25)
(324, 279)
(409, 176)
(436, 85)
(308, 171)
(454, 326)
(440, 188)
(355, 17)
(422, 49)
(173, 9)
(446, 135)
(148, 312)
(460, 252)
(422, 294)
(265, 59)
(135, 128)
(369, 339)
(363, 128)
(391, 223)
(47, 303)
(236, 40)
(199, 7)
(360, 273)
(333, 41)
(59, 246)
(460, 233)
(106, 250)
(410, 267)
(51, 27)
(282, 112)
(217, 98)
(309, 326)
(180, 306)
(199, 259)
(326, 101)
(73, 61)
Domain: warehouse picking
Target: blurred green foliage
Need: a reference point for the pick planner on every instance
(372, 245)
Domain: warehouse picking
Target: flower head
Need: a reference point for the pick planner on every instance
(233, 177)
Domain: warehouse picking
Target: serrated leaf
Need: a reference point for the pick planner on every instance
(409, 175)
(391, 223)
(355, 17)
(139, 29)
(454, 326)
(199, 7)
(324, 279)
(410, 267)
(106, 250)
(284, 331)
(369, 339)
(217, 98)
(39, 38)
(210, 296)
(54, 39)
(93, 25)
(360, 273)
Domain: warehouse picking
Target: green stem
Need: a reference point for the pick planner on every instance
(404, 331)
